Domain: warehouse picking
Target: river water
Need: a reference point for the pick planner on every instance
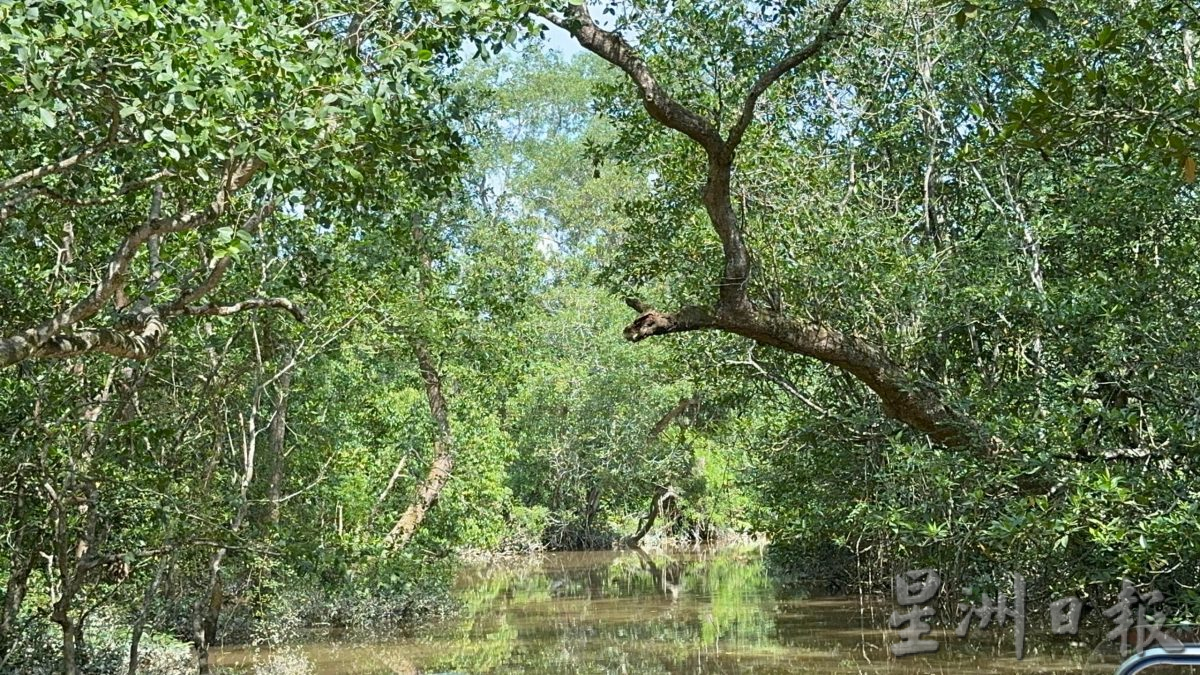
(628, 612)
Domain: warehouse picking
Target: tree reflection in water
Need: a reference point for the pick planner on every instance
(640, 612)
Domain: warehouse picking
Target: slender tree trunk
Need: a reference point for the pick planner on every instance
(139, 623)
(14, 597)
(24, 556)
(590, 509)
(75, 552)
(68, 578)
(206, 617)
(443, 442)
(207, 612)
(443, 453)
(657, 505)
(70, 659)
(276, 436)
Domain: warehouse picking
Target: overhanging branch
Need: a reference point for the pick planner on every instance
(904, 395)
(612, 47)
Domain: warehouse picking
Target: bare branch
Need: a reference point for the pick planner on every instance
(612, 47)
(51, 169)
(246, 305)
(789, 63)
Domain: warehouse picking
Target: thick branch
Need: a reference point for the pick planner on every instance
(716, 198)
(132, 344)
(652, 322)
(789, 63)
(903, 397)
(613, 48)
(141, 336)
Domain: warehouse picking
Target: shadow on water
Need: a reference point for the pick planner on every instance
(635, 612)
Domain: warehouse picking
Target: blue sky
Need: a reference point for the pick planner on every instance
(560, 41)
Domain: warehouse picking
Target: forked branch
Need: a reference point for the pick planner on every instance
(785, 66)
(904, 395)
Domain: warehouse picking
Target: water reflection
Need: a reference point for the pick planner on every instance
(637, 612)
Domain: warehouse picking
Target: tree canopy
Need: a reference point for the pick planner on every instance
(298, 300)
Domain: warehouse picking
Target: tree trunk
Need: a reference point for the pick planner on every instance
(69, 656)
(904, 394)
(24, 556)
(443, 453)
(139, 623)
(14, 597)
(207, 613)
(657, 505)
(276, 436)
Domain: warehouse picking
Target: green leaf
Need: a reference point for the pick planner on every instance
(48, 117)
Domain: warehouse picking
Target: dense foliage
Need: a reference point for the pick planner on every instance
(298, 300)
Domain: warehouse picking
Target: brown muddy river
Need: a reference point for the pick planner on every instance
(618, 612)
